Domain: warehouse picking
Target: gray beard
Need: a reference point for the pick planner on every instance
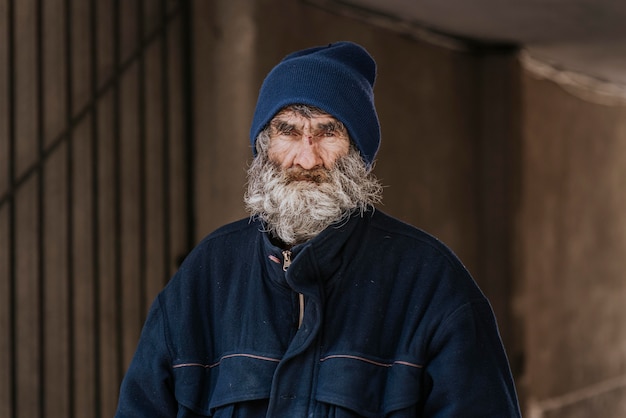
(296, 205)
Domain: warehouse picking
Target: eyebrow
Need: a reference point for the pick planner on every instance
(333, 126)
(282, 126)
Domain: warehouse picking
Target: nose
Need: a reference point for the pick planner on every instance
(308, 156)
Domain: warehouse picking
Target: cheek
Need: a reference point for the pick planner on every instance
(278, 153)
(334, 153)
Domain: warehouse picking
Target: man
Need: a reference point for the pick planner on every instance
(319, 305)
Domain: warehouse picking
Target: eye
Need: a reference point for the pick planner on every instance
(330, 130)
(284, 130)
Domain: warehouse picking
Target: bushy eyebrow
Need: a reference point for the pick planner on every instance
(332, 126)
(282, 126)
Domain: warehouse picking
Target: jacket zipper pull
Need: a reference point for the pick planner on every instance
(286, 264)
(286, 259)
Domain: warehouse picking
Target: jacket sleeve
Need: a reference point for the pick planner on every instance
(147, 389)
(468, 372)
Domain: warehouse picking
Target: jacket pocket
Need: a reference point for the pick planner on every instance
(356, 386)
(207, 389)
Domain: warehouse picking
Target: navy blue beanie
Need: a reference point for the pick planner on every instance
(338, 78)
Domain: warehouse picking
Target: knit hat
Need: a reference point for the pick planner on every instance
(338, 78)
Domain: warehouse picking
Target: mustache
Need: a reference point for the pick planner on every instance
(317, 175)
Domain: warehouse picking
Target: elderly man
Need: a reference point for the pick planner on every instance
(318, 305)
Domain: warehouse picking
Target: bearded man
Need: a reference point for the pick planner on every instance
(318, 305)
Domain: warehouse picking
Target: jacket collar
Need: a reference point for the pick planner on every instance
(316, 260)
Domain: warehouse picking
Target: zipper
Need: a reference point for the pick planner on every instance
(286, 259)
(286, 264)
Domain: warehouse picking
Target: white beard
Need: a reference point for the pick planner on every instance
(296, 210)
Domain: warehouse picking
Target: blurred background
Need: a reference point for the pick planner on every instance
(124, 140)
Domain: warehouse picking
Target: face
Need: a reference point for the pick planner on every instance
(306, 176)
(306, 143)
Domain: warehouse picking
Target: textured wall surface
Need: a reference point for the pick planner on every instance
(572, 232)
(93, 194)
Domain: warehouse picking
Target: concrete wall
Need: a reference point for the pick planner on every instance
(572, 238)
(224, 97)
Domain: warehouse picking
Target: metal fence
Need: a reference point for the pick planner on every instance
(95, 202)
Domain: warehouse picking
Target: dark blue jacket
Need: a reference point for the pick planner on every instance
(393, 326)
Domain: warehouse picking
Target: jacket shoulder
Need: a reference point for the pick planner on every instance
(237, 227)
(216, 248)
(411, 235)
(239, 231)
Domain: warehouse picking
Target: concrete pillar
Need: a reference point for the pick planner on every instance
(572, 236)
(224, 54)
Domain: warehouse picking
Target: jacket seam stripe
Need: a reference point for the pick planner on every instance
(210, 366)
(376, 363)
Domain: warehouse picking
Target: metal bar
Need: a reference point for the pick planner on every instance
(41, 296)
(69, 100)
(188, 123)
(80, 114)
(167, 216)
(142, 162)
(11, 202)
(95, 168)
(117, 181)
